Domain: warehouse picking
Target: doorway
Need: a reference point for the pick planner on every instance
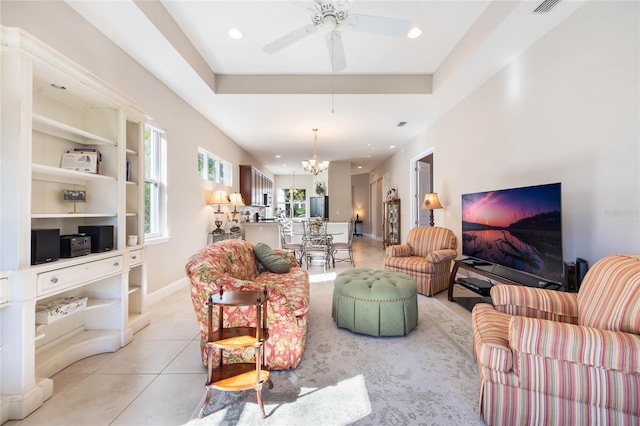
(422, 184)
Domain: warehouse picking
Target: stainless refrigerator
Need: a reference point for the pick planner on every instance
(319, 207)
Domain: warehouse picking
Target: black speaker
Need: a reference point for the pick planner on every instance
(101, 237)
(582, 266)
(45, 245)
(570, 277)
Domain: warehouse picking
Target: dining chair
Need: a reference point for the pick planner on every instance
(296, 248)
(316, 242)
(347, 247)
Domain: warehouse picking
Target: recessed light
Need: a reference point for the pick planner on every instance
(278, 156)
(392, 146)
(414, 32)
(235, 34)
(359, 167)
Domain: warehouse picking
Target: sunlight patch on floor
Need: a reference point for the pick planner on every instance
(319, 277)
(287, 403)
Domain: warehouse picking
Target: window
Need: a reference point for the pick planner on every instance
(155, 183)
(288, 209)
(213, 168)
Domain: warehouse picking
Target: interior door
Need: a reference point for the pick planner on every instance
(423, 185)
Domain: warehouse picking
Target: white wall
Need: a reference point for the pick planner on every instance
(566, 110)
(190, 218)
(339, 193)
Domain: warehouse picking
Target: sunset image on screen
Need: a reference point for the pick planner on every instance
(519, 228)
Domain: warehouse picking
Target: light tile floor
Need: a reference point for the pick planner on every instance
(158, 379)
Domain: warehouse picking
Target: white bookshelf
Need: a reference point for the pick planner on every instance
(43, 121)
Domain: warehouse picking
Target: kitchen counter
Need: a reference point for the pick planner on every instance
(266, 231)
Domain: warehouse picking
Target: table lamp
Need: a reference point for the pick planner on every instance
(431, 202)
(236, 200)
(219, 197)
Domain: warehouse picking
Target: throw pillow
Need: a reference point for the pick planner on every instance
(270, 259)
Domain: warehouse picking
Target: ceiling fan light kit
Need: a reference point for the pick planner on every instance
(332, 15)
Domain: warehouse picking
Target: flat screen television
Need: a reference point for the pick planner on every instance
(518, 229)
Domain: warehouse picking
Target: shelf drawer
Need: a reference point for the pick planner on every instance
(136, 257)
(60, 279)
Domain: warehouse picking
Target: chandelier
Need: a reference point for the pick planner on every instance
(314, 165)
(293, 190)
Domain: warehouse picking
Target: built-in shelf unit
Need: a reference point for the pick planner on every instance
(51, 106)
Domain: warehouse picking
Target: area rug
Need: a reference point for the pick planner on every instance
(428, 377)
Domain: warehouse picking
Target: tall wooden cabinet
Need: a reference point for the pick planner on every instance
(391, 224)
(51, 106)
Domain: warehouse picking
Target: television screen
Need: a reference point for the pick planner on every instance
(519, 228)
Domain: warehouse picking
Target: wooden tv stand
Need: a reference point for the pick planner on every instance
(494, 273)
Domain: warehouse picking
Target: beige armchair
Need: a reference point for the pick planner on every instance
(426, 256)
(552, 358)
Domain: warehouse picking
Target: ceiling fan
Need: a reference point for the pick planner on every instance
(333, 15)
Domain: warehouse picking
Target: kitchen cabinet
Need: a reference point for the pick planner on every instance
(255, 187)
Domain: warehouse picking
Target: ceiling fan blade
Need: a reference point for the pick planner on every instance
(380, 25)
(336, 51)
(289, 39)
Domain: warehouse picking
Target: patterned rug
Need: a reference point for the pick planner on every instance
(428, 377)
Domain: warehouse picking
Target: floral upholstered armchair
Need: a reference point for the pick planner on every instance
(426, 257)
(232, 265)
(551, 358)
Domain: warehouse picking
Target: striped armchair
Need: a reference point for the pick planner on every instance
(426, 257)
(552, 358)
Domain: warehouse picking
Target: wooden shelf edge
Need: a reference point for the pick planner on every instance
(237, 377)
(42, 172)
(70, 215)
(59, 129)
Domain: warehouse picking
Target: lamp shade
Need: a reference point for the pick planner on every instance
(431, 201)
(235, 199)
(219, 197)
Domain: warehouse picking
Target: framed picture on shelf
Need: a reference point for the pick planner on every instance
(73, 195)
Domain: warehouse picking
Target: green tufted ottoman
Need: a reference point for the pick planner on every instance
(377, 302)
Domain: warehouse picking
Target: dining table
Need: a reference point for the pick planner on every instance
(318, 246)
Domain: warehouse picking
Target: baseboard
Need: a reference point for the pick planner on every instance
(165, 291)
(17, 407)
